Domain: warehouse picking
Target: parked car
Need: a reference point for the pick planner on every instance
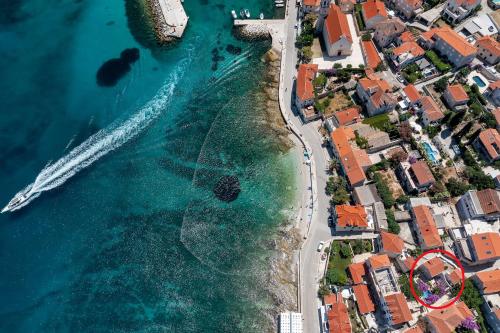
(330, 221)
(320, 246)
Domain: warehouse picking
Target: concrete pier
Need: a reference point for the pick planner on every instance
(170, 19)
(263, 28)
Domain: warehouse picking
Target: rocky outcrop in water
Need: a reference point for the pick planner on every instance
(114, 69)
(227, 188)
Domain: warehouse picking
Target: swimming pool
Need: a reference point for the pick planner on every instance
(480, 83)
(430, 152)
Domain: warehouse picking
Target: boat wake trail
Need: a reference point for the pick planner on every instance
(98, 145)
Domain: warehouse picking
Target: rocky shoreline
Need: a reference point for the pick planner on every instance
(160, 26)
(281, 279)
(252, 32)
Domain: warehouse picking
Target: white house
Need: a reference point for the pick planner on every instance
(456, 10)
(336, 33)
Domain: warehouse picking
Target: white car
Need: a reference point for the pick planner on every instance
(320, 246)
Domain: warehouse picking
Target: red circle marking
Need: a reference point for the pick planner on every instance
(413, 292)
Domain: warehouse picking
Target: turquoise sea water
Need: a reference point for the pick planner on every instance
(135, 242)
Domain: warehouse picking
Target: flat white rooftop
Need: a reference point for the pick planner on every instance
(175, 17)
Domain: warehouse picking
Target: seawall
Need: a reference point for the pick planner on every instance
(169, 19)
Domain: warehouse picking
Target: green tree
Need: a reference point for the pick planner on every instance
(366, 36)
(320, 80)
(457, 187)
(384, 190)
(306, 54)
(479, 179)
(393, 226)
(336, 277)
(441, 84)
(345, 251)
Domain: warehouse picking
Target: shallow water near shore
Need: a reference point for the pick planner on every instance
(137, 241)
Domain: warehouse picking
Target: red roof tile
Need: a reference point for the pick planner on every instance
(455, 276)
(422, 172)
(447, 320)
(363, 298)
(489, 44)
(341, 138)
(431, 109)
(434, 266)
(391, 243)
(409, 47)
(357, 271)
(457, 92)
(490, 281)
(305, 76)
(412, 93)
(407, 36)
(398, 307)
(348, 116)
(379, 261)
(489, 201)
(351, 216)
(496, 113)
(427, 226)
(338, 317)
(371, 55)
(452, 38)
(491, 142)
(486, 245)
(372, 8)
(336, 25)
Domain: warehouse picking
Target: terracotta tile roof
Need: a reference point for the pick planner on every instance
(338, 317)
(486, 245)
(455, 276)
(351, 216)
(372, 8)
(489, 201)
(447, 320)
(409, 262)
(497, 313)
(407, 36)
(452, 38)
(496, 113)
(412, 93)
(305, 76)
(427, 226)
(434, 266)
(353, 170)
(414, 329)
(336, 25)
(348, 116)
(398, 307)
(363, 298)
(468, 3)
(491, 142)
(490, 281)
(494, 85)
(371, 55)
(391, 243)
(431, 109)
(415, 4)
(409, 47)
(422, 172)
(357, 271)
(457, 92)
(313, 3)
(374, 83)
(489, 44)
(379, 261)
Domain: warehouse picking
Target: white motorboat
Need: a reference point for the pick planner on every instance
(242, 13)
(247, 13)
(233, 14)
(261, 16)
(279, 1)
(279, 5)
(18, 201)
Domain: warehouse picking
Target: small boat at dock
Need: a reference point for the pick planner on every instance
(279, 1)
(279, 5)
(233, 14)
(247, 13)
(261, 16)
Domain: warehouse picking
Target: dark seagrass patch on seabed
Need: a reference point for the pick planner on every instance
(114, 69)
(227, 188)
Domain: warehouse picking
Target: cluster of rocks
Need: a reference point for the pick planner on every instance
(162, 29)
(253, 32)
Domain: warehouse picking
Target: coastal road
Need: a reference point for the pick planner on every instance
(319, 230)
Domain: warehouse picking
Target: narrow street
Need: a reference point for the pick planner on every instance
(319, 230)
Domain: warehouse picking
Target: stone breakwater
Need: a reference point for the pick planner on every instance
(261, 29)
(169, 19)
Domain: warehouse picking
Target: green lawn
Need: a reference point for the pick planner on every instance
(337, 265)
(379, 121)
